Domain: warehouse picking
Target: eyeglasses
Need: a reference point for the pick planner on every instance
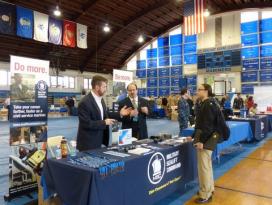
(199, 89)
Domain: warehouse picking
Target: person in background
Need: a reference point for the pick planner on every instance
(253, 110)
(70, 105)
(225, 105)
(139, 111)
(246, 100)
(250, 102)
(7, 105)
(164, 105)
(191, 107)
(183, 110)
(238, 102)
(93, 117)
(205, 140)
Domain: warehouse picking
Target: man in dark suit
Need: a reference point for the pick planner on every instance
(93, 117)
(137, 118)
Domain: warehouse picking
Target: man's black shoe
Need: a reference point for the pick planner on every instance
(203, 201)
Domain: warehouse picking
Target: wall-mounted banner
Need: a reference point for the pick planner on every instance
(28, 121)
(121, 79)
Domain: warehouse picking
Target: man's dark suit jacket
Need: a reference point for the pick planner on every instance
(139, 129)
(92, 130)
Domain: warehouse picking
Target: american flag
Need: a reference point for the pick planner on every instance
(194, 20)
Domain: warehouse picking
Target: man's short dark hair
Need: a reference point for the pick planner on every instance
(97, 80)
(132, 84)
(183, 91)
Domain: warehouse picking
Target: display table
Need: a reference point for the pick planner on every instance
(259, 125)
(81, 185)
(239, 131)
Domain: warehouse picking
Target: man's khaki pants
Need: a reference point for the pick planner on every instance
(205, 173)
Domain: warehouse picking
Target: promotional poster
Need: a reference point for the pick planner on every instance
(121, 79)
(28, 122)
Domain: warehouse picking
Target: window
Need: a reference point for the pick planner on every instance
(53, 81)
(62, 82)
(4, 77)
(87, 83)
(71, 82)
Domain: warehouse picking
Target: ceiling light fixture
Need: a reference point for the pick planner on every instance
(106, 28)
(141, 39)
(206, 13)
(57, 11)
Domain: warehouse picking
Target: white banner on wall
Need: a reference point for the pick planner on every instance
(263, 97)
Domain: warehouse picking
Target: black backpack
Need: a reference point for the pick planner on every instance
(221, 126)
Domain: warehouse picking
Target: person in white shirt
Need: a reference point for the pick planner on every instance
(94, 118)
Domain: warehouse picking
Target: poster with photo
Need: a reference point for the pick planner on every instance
(121, 79)
(28, 122)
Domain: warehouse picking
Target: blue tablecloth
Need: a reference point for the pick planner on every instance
(269, 117)
(80, 185)
(258, 124)
(239, 131)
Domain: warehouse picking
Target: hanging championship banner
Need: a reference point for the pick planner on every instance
(69, 33)
(28, 122)
(121, 79)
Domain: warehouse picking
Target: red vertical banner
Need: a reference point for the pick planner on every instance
(69, 33)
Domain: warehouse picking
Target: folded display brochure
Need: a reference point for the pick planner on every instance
(125, 137)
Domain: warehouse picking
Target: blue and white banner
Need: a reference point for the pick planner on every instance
(41, 27)
(28, 121)
(152, 82)
(55, 31)
(24, 22)
(82, 36)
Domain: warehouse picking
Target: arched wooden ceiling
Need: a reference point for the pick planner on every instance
(127, 19)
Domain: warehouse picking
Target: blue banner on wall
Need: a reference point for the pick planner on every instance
(266, 25)
(266, 51)
(175, 82)
(250, 52)
(192, 90)
(190, 59)
(164, 72)
(176, 39)
(141, 73)
(265, 76)
(190, 39)
(152, 73)
(151, 53)
(191, 80)
(251, 76)
(152, 82)
(266, 37)
(176, 60)
(152, 92)
(8, 18)
(163, 42)
(251, 64)
(189, 48)
(164, 82)
(266, 63)
(176, 50)
(248, 88)
(175, 90)
(164, 91)
(152, 63)
(250, 40)
(24, 22)
(165, 61)
(55, 31)
(249, 27)
(176, 71)
(164, 51)
(142, 92)
(141, 64)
